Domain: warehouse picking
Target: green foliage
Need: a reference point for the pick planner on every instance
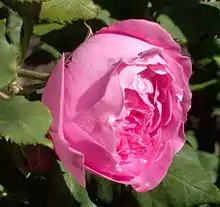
(105, 186)
(194, 25)
(169, 24)
(42, 29)
(186, 184)
(105, 16)
(54, 10)
(189, 182)
(79, 193)
(210, 163)
(14, 25)
(24, 122)
(8, 58)
(192, 139)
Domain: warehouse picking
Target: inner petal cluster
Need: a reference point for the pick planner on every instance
(139, 125)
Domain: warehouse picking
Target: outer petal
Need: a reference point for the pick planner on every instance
(186, 66)
(97, 108)
(173, 132)
(96, 156)
(147, 31)
(179, 142)
(154, 174)
(185, 62)
(97, 159)
(53, 98)
(72, 159)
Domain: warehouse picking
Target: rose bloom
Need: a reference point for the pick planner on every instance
(119, 103)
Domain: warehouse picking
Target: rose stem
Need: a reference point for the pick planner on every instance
(32, 74)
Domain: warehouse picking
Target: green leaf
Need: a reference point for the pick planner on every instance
(28, 8)
(203, 85)
(8, 59)
(186, 184)
(216, 111)
(192, 139)
(105, 16)
(166, 22)
(14, 25)
(2, 190)
(55, 10)
(42, 29)
(2, 27)
(68, 10)
(213, 3)
(88, 205)
(24, 122)
(195, 24)
(79, 193)
(210, 164)
(28, 26)
(105, 189)
(50, 50)
(19, 32)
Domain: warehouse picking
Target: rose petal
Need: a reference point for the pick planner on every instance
(95, 65)
(180, 140)
(185, 62)
(97, 159)
(95, 154)
(97, 109)
(173, 131)
(152, 175)
(73, 160)
(53, 98)
(147, 31)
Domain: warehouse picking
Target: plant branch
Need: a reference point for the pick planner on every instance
(32, 74)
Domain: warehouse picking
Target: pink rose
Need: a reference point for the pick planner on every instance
(119, 104)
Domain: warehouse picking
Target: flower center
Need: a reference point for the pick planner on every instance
(133, 125)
